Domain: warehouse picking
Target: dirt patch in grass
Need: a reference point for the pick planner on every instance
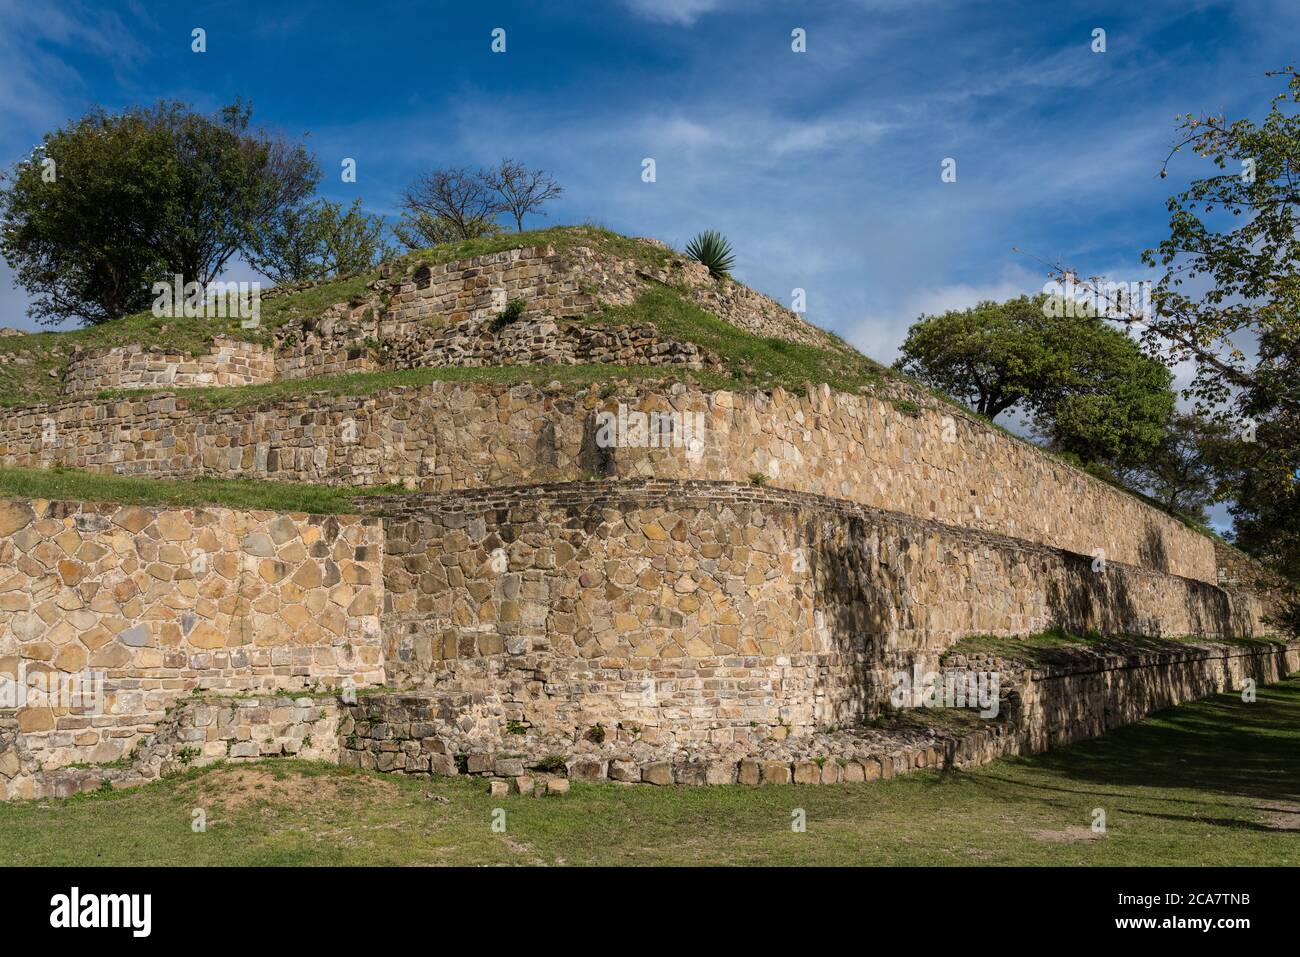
(1283, 817)
(237, 789)
(1067, 835)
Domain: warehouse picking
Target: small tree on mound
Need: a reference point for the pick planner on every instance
(457, 199)
(521, 190)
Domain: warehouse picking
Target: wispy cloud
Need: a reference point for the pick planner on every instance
(684, 12)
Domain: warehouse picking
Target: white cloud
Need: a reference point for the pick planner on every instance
(684, 12)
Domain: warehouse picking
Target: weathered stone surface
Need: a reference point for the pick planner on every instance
(154, 599)
(661, 773)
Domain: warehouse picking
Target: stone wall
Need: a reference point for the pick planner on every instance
(161, 601)
(936, 464)
(572, 282)
(718, 612)
(228, 363)
(477, 343)
(1087, 694)
(197, 731)
(1045, 708)
(444, 315)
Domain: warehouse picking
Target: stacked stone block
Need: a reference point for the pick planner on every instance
(159, 602)
(229, 362)
(939, 464)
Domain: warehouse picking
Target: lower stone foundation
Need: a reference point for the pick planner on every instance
(715, 613)
(1039, 709)
(413, 734)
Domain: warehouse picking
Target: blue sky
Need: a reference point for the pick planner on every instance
(823, 168)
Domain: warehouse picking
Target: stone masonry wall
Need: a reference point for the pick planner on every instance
(478, 343)
(1089, 694)
(717, 612)
(1046, 708)
(937, 464)
(162, 601)
(443, 315)
(195, 732)
(229, 363)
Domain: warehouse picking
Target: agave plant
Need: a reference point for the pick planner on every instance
(711, 248)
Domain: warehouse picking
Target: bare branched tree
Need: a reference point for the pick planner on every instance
(521, 190)
(458, 197)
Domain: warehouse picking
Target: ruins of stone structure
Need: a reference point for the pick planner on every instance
(639, 580)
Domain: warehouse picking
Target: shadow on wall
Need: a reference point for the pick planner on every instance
(863, 598)
(1080, 598)
(593, 458)
(868, 581)
(1152, 550)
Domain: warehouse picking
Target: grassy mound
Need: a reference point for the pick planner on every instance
(71, 485)
(37, 374)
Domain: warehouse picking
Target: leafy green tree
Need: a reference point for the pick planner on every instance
(421, 229)
(291, 248)
(138, 196)
(1183, 471)
(990, 356)
(230, 184)
(1237, 231)
(1254, 266)
(1090, 391)
(317, 240)
(353, 241)
(80, 216)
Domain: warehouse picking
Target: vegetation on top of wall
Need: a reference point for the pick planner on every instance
(1058, 646)
(64, 484)
(32, 366)
(561, 238)
(749, 360)
(360, 384)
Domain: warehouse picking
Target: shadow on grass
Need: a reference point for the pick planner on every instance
(1219, 745)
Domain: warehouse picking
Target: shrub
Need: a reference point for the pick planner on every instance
(513, 310)
(711, 248)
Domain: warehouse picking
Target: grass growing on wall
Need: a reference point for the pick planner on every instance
(360, 384)
(1059, 646)
(30, 382)
(1209, 783)
(72, 485)
(751, 361)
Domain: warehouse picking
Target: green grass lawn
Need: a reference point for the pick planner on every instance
(72, 485)
(1215, 782)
